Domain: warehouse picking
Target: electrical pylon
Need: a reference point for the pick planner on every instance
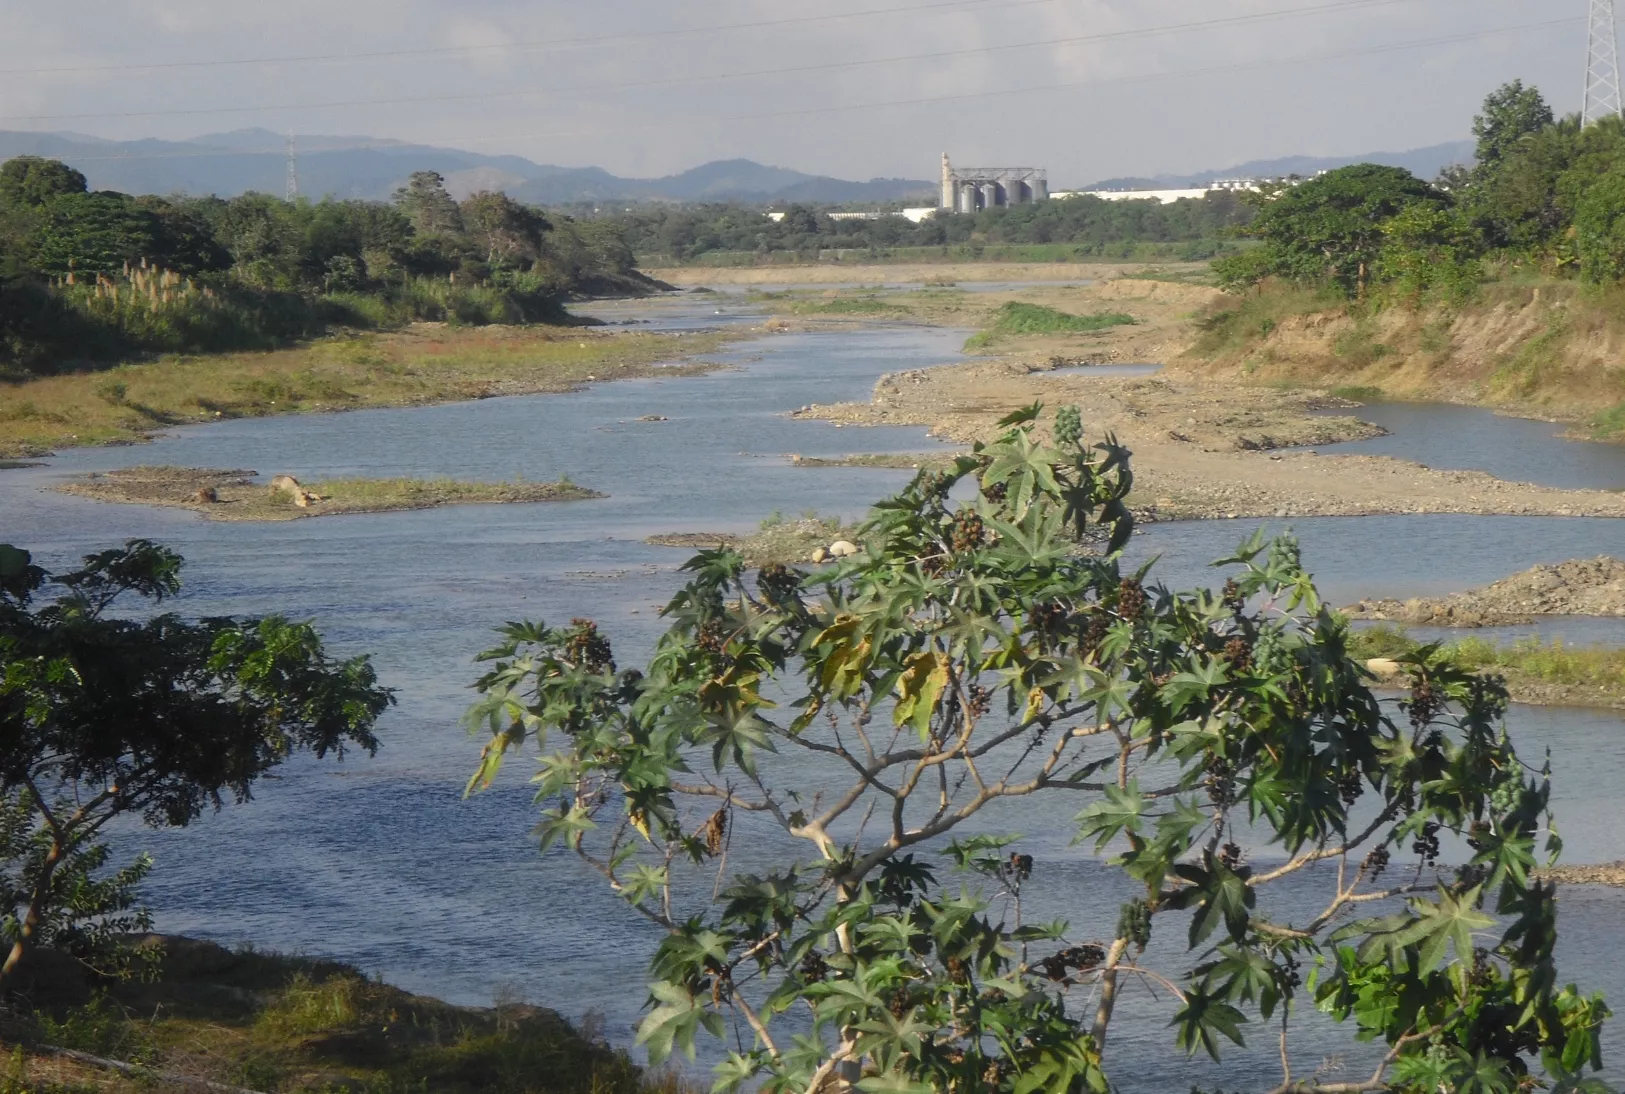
(293, 167)
(1602, 97)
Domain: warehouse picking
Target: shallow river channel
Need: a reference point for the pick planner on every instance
(380, 862)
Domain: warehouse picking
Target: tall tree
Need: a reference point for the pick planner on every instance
(103, 714)
(31, 181)
(1511, 113)
(426, 203)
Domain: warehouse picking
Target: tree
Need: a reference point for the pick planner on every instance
(1512, 112)
(871, 712)
(31, 182)
(1330, 229)
(509, 233)
(1599, 230)
(103, 715)
(426, 203)
(93, 233)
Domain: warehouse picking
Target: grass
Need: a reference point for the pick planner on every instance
(1015, 318)
(849, 305)
(424, 364)
(788, 542)
(286, 1024)
(234, 495)
(1238, 323)
(1610, 424)
(1535, 670)
(1357, 393)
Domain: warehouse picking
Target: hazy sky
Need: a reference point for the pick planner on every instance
(1079, 92)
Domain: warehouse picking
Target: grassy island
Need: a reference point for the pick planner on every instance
(235, 495)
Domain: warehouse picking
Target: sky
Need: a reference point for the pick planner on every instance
(852, 88)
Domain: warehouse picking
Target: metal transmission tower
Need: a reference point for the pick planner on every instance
(293, 170)
(1602, 97)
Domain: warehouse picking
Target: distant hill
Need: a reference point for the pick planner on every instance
(1423, 162)
(364, 167)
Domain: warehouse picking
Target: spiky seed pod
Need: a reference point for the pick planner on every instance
(715, 832)
(1239, 652)
(588, 649)
(1230, 856)
(967, 532)
(1131, 599)
(813, 968)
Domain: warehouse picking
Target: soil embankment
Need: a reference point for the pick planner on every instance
(1546, 349)
(1594, 587)
(1205, 445)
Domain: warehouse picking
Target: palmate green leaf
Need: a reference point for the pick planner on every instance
(1433, 926)
(894, 1082)
(1220, 895)
(1069, 1068)
(675, 1022)
(1203, 1019)
(644, 883)
(735, 1071)
(564, 824)
(1120, 812)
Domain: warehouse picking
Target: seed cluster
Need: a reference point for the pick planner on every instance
(587, 648)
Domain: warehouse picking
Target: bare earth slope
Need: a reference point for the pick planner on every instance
(1579, 587)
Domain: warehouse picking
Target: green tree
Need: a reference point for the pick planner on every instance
(874, 713)
(1330, 229)
(1511, 114)
(32, 182)
(104, 715)
(509, 233)
(93, 233)
(1599, 230)
(427, 205)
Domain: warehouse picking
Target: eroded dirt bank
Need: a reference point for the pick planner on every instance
(1205, 447)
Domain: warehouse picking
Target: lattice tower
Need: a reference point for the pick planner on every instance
(1602, 97)
(293, 170)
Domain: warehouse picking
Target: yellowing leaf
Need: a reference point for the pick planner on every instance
(1035, 704)
(918, 690)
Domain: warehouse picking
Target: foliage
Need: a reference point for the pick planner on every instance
(1545, 193)
(1331, 229)
(103, 715)
(871, 711)
(86, 912)
(267, 271)
(1091, 226)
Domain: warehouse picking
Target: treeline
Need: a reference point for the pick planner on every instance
(99, 275)
(1094, 226)
(1545, 194)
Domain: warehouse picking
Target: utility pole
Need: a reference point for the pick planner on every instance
(1602, 97)
(293, 169)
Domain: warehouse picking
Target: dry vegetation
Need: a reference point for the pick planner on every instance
(427, 363)
(235, 495)
(1534, 346)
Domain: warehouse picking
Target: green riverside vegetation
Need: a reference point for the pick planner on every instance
(93, 277)
(1016, 318)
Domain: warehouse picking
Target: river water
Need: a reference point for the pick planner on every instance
(380, 862)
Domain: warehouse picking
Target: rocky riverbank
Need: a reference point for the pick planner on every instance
(1593, 587)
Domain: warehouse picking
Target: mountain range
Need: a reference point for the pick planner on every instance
(1422, 162)
(367, 167)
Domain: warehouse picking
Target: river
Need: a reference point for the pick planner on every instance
(381, 863)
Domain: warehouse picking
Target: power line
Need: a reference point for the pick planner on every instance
(1206, 24)
(1215, 70)
(530, 46)
(1149, 77)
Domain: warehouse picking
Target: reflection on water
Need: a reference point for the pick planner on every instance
(1471, 438)
(380, 862)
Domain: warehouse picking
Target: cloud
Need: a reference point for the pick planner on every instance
(871, 94)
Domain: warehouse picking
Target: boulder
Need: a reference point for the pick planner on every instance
(1383, 666)
(206, 496)
(842, 548)
(819, 555)
(285, 484)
